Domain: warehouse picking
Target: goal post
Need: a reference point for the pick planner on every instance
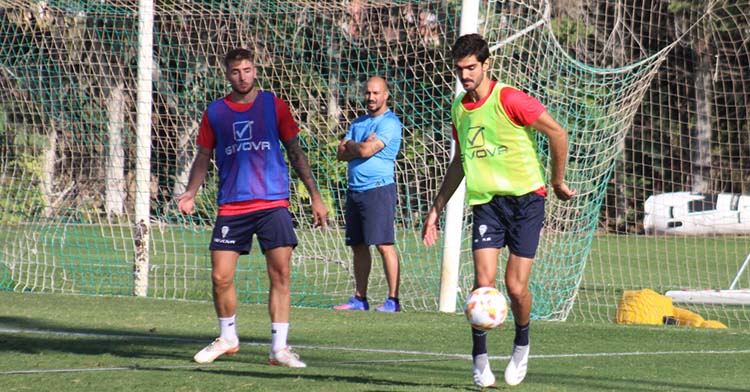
(733, 295)
(454, 209)
(651, 94)
(740, 271)
(142, 226)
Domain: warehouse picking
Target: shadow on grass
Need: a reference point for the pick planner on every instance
(616, 383)
(29, 336)
(407, 378)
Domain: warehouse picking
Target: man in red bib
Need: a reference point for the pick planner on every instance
(246, 129)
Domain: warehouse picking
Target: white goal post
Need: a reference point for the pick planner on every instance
(454, 210)
(142, 225)
(742, 269)
(711, 297)
(730, 296)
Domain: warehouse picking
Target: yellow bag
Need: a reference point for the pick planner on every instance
(712, 324)
(643, 307)
(687, 318)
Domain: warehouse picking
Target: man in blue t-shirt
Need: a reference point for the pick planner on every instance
(371, 146)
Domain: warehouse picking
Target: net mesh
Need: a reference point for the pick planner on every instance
(653, 94)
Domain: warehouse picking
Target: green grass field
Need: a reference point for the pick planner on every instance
(69, 342)
(94, 259)
(51, 342)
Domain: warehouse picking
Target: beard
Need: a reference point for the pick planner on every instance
(243, 90)
(372, 107)
(474, 83)
(470, 88)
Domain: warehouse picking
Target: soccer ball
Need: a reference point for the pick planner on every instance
(486, 308)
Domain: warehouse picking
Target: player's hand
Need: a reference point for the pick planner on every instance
(429, 228)
(186, 203)
(343, 153)
(320, 213)
(562, 192)
(341, 149)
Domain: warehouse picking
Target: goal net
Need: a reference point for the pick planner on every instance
(653, 96)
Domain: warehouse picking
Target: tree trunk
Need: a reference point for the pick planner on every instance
(701, 158)
(48, 170)
(115, 177)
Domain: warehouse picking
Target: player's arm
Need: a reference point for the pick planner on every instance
(298, 160)
(453, 177)
(558, 145)
(341, 153)
(198, 170)
(349, 149)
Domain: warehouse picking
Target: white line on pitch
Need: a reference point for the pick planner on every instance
(384, 351)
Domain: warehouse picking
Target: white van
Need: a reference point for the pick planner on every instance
(695, 213)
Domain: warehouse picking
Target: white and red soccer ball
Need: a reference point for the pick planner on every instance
(486, 308)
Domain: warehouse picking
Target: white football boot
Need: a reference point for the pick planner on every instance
(216, 349)
(515, 372)
(483, 376)
(285, 357)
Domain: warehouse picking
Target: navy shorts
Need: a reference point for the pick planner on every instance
(515, 221)
(370, 215)
(273, 227)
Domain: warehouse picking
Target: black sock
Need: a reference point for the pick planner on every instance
(363, 299)
(395, 299)
(522, 334)
(479, 342)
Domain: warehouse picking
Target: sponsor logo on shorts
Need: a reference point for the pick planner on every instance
(482, 231)
(223, 239)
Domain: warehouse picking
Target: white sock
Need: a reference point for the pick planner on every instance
(228, 327)
(279, 332)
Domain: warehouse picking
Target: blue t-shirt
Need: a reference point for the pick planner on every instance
(377, 170)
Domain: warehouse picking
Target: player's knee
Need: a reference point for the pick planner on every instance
(517, 291)
(279, 283)
(279, 275)
(221, 280)
(386, 249)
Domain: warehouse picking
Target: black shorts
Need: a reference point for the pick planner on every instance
(273, 227)
(370, 215)
(515, 221)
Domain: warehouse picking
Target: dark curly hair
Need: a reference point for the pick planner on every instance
(468, 45)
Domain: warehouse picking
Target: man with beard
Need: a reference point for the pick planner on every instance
(246, 129)
(371, 146)
(494, 127)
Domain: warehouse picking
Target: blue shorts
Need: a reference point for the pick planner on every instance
(273, 227)
(370, 215)
(515, 221)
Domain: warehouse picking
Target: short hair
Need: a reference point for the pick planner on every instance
(385, 82)
(237, 55)
(468, 45)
